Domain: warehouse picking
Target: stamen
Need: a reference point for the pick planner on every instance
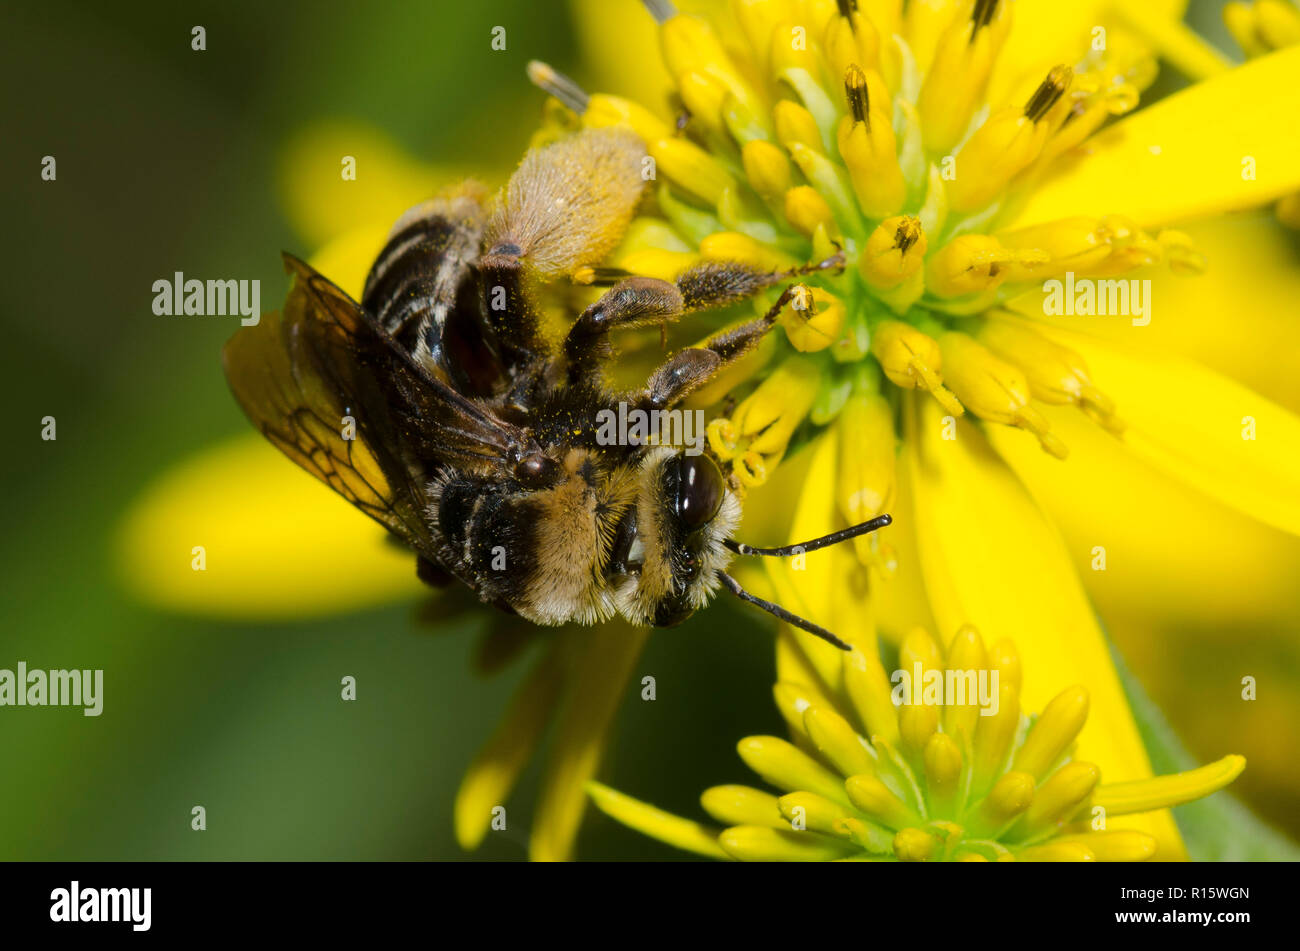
(911, 360)
(983, 14)
(892, 259)
(558, 85)
(661, 10)
(1048, 93)
(993, 389)
(767, 168)
(855, 90)
(868, 147)
(908, 233)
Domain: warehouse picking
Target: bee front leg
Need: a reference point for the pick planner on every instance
(632, 302)
(641, 301)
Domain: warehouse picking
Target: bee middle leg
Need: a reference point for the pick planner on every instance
(639, 301)
(692, 367)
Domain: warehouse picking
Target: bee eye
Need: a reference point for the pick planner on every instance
(534, 469)
(699, 489)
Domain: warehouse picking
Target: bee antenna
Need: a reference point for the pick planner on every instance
(776, 610)
(834, 538)
(549, 80)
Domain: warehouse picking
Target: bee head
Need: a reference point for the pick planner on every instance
(684, 514)
(673, 546)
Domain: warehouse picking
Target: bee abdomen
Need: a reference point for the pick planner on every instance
(490, 532)
(416, 278)
(413, 283)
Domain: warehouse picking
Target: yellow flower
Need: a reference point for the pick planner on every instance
(1000, 120)
(933, 762)
(966, 531)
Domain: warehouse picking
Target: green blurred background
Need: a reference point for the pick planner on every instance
(167, 161)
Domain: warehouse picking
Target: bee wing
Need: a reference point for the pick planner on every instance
(298, 373)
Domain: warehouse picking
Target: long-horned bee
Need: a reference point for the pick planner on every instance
(475, 440)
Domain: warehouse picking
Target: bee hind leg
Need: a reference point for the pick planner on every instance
(512, 315)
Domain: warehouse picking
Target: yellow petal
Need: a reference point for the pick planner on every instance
(1044, 32)
(899, 602)
(873, 797)
(276, 541)
(1055, 851)
(1058, 798)
(992, 560)
(322, 204)
(656, 823)
(599, 661)
(1141, 548)
(804, 584)
(760, 844)
(868, 690)
(1057, 727)
(1182, 157)
(346, 259)
(1252, 275)
(815, 813)
(742, 806)
(837, 741)
(1160, 792)
(788, 768)
(792, 700)
(1215, 434)
(489, 779)
(1175, 42)
(1118, 846)
(632, 66)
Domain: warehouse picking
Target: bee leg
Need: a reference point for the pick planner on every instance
(638, 301)
(641, 301)
(511, 315)
(684, 371)
(632, 302)
(691, 368)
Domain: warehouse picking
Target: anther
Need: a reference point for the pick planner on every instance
(909, 231)
(661, 10)
(558, 85)
(855, 89)
(982, 15)
(1048, 93)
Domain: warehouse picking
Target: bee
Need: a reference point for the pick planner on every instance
(474, 438)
